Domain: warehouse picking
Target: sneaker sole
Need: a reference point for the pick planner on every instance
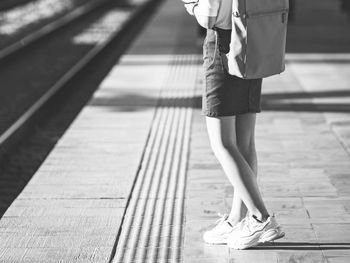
(251, 243)
(269, 236)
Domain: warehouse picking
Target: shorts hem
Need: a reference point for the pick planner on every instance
(216, 114)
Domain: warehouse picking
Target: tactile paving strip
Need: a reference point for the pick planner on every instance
(152, 230)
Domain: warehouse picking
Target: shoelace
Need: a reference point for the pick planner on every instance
(246, 224)
(241, 223)
(222, 218)
(251, 222)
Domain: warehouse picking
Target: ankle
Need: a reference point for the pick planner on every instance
(262, 217)
(237, 216)
(233, 220)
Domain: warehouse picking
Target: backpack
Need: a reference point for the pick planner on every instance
(258, 38)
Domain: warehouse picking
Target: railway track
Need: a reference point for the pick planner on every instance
(45, 28)
(7, 4)
(37, 73)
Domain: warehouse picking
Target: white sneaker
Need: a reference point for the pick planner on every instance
(220, 232)
(253, 232)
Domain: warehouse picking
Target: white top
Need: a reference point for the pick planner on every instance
(221, 9)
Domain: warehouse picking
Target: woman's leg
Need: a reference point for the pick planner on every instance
(245, 138)
(222, 136)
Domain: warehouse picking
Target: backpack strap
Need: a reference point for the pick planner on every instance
(215, 48)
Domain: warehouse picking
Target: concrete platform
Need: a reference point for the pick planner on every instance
(134, 178)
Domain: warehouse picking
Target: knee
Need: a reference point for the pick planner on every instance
(246, 148)
(222, 146)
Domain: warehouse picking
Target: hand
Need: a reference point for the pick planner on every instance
(190, 5)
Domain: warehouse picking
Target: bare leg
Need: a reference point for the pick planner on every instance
(245, 138)
(222, 136)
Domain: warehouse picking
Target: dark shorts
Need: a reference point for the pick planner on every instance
(224, 94)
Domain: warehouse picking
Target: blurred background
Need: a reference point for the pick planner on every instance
(319, 26)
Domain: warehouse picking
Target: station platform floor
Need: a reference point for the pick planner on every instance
(134, 179)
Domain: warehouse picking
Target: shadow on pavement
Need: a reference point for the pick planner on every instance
(270, 102)
(302, 246)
